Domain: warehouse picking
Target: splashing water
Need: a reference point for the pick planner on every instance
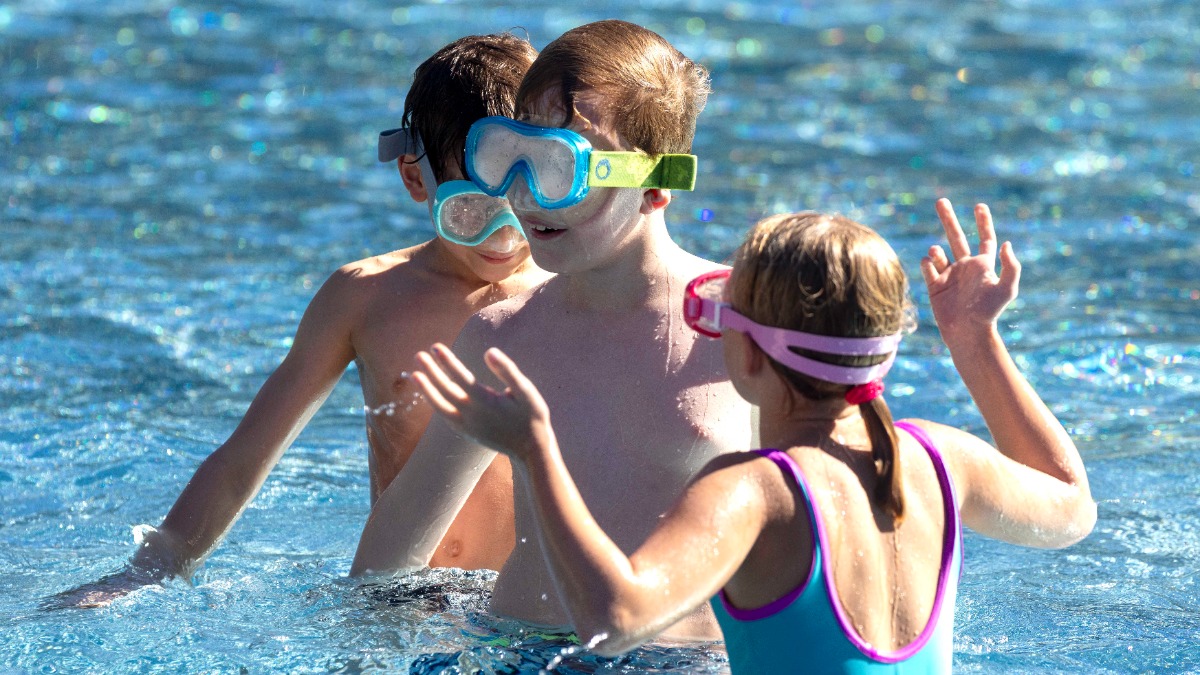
(571, 651)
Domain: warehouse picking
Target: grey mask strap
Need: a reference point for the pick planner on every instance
(396, 142)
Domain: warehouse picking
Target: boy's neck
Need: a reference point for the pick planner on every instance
(633, 277)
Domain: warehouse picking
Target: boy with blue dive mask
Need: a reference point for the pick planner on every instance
(378, 313)
(640, 402)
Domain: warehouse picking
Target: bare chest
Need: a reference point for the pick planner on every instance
(634, 426)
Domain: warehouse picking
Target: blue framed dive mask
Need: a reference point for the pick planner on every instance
(464, 214)
(559, 165)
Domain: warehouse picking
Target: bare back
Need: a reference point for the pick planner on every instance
(885, 575)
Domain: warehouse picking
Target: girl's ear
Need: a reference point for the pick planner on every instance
(655, 199)
(410, 173)
(752, 355)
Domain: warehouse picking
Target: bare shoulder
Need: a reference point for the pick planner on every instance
(754, 476)
(964, 453)
(516, 310)
(351, 296)
(386, 281)
(685, 266)
(736, 470)
(388, 268)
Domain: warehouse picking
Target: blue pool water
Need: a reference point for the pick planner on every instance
(176, 180)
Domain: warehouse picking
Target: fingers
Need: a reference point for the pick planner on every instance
(954, 234)
(987, 231)
(502, 366)
(509, 373)
(1010, 267)
(929, 270)
(452, 366)
(437, 377)
(434, 395)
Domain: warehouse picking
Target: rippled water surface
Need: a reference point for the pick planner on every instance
(177, 179)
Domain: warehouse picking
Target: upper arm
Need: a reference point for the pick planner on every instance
(1006, 500)
(319, 354)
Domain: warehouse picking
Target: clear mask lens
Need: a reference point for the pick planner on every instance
(499, 151)
(466, 216)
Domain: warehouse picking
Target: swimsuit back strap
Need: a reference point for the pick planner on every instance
(952, 542)
(789, 466)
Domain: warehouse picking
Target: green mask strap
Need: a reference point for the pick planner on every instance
(636, 169)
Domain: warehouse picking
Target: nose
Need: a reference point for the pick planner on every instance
(519, 195)
(503, 241)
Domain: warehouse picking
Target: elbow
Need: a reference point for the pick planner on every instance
(1084, 521)
(611, 631)
(1079, 521)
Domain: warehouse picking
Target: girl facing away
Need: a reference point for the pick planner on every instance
(838, 547)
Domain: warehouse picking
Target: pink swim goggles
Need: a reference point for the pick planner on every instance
(705, 310)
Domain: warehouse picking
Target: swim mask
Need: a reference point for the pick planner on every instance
(708, 314)
(462, 213)
(559, 165)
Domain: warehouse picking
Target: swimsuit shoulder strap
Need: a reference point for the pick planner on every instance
(789, 467)
(953, 527)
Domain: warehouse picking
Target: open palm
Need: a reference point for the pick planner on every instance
(966, 292)
(509, 421)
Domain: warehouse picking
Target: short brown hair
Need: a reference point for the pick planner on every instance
(652, 91)
(828, 275)
(474, 76)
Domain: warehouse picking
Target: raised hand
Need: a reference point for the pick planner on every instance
(966, 293)
(513, 421)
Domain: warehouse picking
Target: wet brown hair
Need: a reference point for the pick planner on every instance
(828, 275)
(652, 91)
(474, 76)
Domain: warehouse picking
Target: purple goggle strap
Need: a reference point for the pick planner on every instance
(776, 342)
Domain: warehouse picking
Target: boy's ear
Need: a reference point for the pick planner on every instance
(655, 199)
(410, 173)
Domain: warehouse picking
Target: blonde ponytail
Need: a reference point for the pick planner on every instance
(885, 450)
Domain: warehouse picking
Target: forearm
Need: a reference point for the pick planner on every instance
(204, 512)
(413, 514)
(1021, 425)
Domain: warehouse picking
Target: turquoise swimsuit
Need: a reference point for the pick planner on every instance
(807, 630)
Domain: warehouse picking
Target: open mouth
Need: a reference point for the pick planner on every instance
(541, 231)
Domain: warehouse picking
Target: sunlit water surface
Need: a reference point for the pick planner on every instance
(177, 179)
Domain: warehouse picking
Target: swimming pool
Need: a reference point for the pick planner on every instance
(178, 179)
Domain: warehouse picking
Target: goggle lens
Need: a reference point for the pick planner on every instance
(500, 149)
(466, 216)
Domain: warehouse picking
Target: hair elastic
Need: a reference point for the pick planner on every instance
(864, 393)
